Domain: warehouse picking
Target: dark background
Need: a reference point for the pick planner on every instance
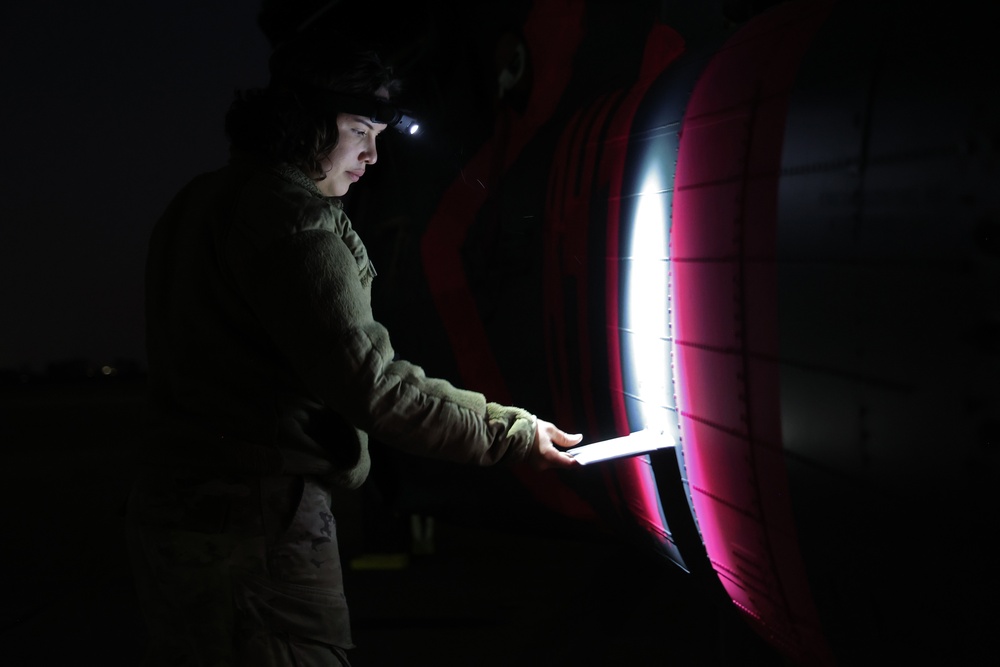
(108, 109)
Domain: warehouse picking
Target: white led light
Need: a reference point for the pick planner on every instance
(646, 301)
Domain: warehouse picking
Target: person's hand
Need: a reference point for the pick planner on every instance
(546, 453)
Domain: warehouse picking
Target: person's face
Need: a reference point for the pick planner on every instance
(354, 151)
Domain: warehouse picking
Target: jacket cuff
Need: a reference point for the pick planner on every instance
(520, 430)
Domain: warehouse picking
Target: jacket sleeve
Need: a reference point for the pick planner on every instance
(314, 300)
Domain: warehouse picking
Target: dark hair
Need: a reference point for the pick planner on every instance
(291, 120)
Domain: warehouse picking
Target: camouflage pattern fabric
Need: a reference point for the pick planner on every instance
(238, 571)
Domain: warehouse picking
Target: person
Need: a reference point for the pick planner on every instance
(267, 374)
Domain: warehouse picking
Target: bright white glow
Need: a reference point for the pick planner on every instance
(647, 301)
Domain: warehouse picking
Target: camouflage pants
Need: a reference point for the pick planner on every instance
(238, 571)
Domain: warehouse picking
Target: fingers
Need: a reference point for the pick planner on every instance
(553, 458)
(548, 440)
(549, 431)
(566, 439)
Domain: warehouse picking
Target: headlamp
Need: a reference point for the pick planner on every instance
(377, 110)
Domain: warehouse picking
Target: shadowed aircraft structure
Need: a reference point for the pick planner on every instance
(770, 231)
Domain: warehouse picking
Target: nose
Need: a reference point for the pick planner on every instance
(369, 154)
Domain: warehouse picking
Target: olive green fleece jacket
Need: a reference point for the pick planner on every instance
(263, 353)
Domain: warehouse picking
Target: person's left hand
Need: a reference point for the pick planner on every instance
(546, 453)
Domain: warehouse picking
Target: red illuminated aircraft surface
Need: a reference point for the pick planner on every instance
(778, 240)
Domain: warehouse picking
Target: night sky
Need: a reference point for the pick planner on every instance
(109, 108)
